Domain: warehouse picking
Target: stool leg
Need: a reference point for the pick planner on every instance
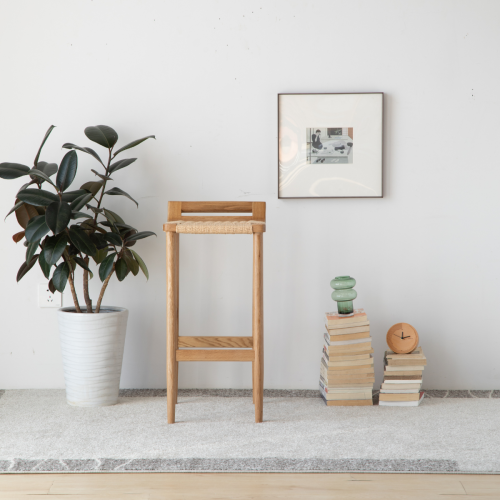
(171, 327)
(176, 266)
(258, 326)
(253, 381)
(176, 383)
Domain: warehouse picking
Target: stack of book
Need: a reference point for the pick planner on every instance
(403, 379)
(346, 376)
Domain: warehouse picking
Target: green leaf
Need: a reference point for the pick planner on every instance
(13, 170)
(100, 255)
(57, 216)
(111, 225)
(89, 225)
(30, 251)
(123, 226)
(93, 187)
(72, 250)
(113, 238)
(99, 240)
(89, 151)
(140, 235)
(60, 277)
(37, 197)
(48, 169)
(106, 223)
(121, 269)
(24, 186)
(126, 234)
(38, 174)
(51, 287)
(82, 264)
(81, 201)
(71, 196)
(54, 248)
(118, 192)
(133, 144)
(102, 135)
(44, 266)
(132, 264)
(113, 217)
(141, 263)
(94, 209)
(25, 267)
(36, 228)
(106, 267)
(49, 130)
(80, 215)
(120, 164)
(103, 177)
(15, 207)
(81, 240)
(67, 170)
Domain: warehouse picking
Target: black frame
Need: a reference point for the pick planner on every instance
(328, 197)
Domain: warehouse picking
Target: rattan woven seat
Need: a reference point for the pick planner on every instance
(218, 227)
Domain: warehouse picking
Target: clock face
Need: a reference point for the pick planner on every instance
(402, 338)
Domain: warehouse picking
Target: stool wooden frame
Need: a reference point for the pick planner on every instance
(247, 348)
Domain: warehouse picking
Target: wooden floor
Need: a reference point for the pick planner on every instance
(174, 486)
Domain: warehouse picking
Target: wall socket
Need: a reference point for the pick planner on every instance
(48, 299)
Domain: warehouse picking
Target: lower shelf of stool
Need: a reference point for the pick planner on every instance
(216, 342)
(215, 355)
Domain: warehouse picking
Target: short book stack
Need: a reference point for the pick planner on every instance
(346, 376)
(403, 379)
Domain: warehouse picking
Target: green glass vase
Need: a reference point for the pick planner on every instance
(343, 293)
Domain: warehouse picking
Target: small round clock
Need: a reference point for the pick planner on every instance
(402, 338)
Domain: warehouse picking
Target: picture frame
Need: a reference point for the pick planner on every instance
(330, 145)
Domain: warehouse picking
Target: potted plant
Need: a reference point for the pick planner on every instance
(63, 231)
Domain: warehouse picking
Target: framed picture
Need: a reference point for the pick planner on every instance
(330, 145)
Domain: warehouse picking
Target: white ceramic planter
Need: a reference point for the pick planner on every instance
(92, 352)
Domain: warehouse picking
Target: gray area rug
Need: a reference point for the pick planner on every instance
(451, 432)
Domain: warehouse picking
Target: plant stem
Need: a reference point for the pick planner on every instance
(86, 295)
(70, 279)
(103, 289)
(73, 291)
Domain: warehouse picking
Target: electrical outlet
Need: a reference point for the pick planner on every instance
(48, 299)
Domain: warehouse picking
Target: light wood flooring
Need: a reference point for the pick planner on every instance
(234, 486)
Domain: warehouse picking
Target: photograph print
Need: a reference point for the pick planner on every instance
(318, 154)
(330, 144)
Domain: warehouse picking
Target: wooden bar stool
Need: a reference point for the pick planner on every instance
(247, 348)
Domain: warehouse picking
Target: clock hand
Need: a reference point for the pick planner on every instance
(407, 337)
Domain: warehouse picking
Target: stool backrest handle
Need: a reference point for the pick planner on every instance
(176, 209)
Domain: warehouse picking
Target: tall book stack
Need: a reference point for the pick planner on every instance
(403, 379)
(346, 376)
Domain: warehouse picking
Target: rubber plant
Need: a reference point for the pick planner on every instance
(64, 230)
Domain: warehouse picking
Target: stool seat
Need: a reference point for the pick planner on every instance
(216, 227)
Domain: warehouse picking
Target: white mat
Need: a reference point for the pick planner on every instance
(39, 431)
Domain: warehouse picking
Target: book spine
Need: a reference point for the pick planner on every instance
(412, 362)
(333, 323)
(414, 378)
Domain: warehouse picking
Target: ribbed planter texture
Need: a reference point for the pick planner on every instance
(92, 352)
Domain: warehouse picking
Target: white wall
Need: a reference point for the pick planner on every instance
(427, 253)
